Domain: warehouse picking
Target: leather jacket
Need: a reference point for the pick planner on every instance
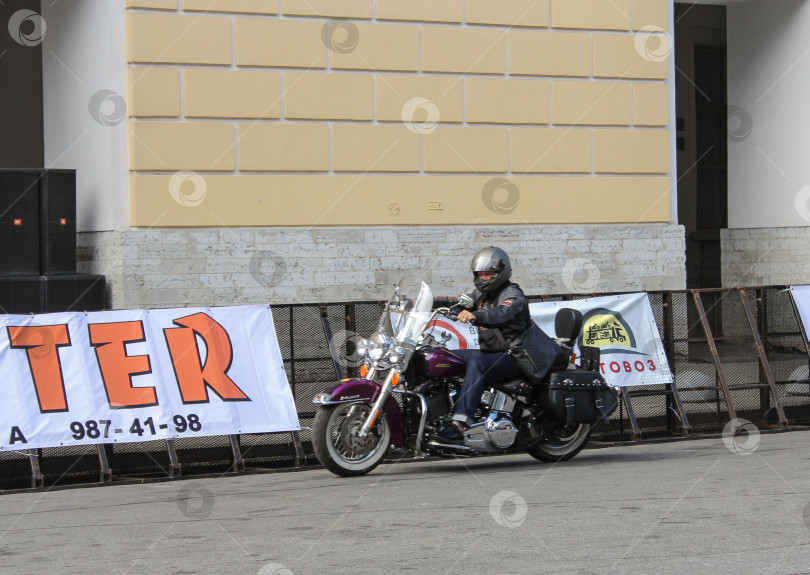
(507, 310)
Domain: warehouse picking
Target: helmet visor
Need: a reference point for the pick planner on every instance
(485, 263)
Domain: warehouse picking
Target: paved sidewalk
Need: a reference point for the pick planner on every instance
(686, 507)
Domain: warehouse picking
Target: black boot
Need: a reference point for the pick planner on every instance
(452, 433)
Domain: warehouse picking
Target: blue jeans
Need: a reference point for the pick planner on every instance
(481, 367)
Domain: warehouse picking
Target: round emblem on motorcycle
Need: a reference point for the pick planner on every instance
(393, 209)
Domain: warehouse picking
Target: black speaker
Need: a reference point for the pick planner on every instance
(57, 203)
(19, 222)
(82, 292)
(22, 294)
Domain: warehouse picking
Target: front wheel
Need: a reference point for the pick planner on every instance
(563, 443)
(337, 444)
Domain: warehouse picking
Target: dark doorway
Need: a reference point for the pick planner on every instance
(702, 150)
(702, 111)
(711, 139)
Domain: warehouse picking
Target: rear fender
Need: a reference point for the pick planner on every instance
(349, 390)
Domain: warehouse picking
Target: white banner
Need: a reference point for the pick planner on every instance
(138, 375)
(623, 328)
(801, 295)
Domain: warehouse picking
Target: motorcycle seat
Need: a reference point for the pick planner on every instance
(521, 387)
(513, 386)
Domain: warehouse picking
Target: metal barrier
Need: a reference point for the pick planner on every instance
(734, 353)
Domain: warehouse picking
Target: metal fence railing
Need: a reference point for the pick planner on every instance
(733, 353)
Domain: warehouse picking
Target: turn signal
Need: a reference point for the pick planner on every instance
(363, 371)
(395, 379)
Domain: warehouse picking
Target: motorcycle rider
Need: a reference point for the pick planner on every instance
(498, 305)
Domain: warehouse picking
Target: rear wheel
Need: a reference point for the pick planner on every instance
(338, 445)
(562, 444)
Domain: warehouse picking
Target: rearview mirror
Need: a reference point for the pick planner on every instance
(465, 301)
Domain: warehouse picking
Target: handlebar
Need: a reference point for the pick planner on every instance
(450, 313)
(445, 311)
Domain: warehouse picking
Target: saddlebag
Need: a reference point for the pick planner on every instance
(575, 396)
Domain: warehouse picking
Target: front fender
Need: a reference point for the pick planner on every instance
(366, 390)
(349, 390)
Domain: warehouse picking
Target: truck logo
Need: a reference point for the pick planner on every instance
(606, 328)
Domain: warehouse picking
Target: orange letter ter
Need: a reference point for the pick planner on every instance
(193, 378)
(117, 368)
(41, 343)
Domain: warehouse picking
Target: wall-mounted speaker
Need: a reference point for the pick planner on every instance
(20, 222)
(57, 206)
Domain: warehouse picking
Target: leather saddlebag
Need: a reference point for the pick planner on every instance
(577, 397)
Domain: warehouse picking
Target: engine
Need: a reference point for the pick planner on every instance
(437, 397)
(496, 432)
(501, 431)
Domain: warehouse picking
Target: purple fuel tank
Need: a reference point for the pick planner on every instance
(442, 363)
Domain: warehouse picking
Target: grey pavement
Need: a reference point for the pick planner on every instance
(684, 507)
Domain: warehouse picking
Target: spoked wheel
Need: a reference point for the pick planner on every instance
(563, 443)
(338, 445)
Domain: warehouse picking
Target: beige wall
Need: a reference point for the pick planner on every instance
(386, 112)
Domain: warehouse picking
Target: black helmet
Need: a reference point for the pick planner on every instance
(491, 259)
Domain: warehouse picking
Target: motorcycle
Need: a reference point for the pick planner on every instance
(358, 419)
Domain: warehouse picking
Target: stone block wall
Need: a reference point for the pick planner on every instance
(766, 256)
(165, 267)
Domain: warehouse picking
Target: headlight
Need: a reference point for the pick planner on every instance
(360, 348)
(396, 355)
(378, 346)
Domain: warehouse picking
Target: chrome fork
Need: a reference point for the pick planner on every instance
(377, 407)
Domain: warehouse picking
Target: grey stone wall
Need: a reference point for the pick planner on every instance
(766, 256)
(102, 253)
(173, 267)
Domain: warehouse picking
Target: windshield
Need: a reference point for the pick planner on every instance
(391, 313)
(404, 318)
(414, 321)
